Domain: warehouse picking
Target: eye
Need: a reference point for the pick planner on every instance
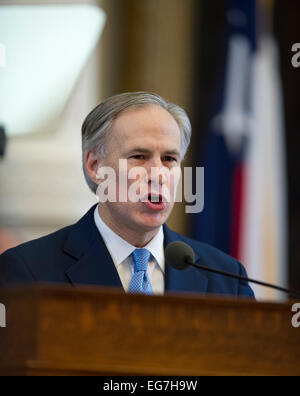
(138, 156)
(168, 158)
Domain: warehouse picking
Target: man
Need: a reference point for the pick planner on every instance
(121, 242)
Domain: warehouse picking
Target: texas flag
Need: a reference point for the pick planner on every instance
(244, 189)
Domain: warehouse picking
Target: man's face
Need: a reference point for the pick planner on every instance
(147, 137)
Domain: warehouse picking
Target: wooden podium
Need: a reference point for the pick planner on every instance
(60, 330)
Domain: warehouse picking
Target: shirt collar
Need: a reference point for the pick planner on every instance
(120, 249)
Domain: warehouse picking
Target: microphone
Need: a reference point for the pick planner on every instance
(180, 256)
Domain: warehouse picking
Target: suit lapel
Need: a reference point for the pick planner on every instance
(93, 263)
(188, 280)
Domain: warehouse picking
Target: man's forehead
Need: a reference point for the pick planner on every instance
(145, 141)
(146, 115)
(148, 127)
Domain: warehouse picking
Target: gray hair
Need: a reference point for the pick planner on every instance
(98, 123)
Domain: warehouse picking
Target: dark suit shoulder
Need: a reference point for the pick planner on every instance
(27, 262)
(214, 258)
(55, 240)
(210, 255)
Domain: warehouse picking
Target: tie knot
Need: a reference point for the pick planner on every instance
(140, 258)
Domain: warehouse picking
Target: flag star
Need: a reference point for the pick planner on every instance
(234, 127)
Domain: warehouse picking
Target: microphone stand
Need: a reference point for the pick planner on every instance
(293, 293)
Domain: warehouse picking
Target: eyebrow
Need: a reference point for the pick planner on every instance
(146, 150)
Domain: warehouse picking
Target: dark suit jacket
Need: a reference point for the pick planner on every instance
(77, 255)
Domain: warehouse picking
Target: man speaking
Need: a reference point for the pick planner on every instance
(121, 241)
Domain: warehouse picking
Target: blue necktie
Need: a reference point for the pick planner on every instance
(140, 282)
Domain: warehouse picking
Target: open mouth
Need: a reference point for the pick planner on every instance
(155, 199)
(155, 202)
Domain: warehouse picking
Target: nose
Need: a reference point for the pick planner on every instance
(155, 162)
(156, 172)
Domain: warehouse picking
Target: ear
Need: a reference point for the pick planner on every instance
(92, 163)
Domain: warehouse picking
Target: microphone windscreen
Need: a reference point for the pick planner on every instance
(179, 255)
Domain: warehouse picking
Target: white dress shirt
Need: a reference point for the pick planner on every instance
(120, 251)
